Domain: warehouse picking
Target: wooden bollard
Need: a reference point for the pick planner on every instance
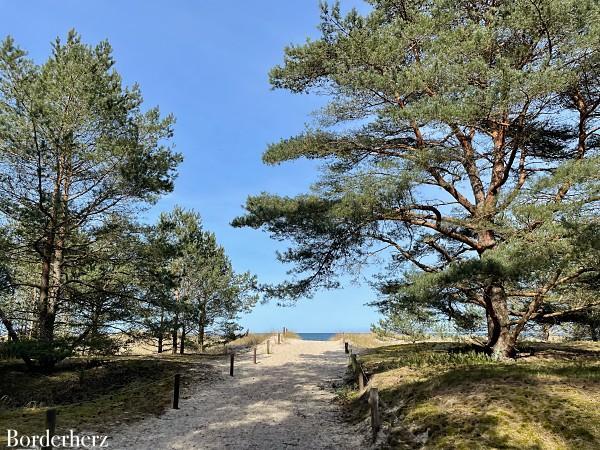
(176, 380)
(268, 346)
(374, 403)
(346, 347)
(255, 354)
(50, 426)
(360, 379)
(231, 357)
(279, 338)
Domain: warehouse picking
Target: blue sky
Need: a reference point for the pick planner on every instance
(207, 63)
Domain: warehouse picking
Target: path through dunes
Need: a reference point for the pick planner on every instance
(284, 401)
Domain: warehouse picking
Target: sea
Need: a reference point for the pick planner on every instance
(316, 336)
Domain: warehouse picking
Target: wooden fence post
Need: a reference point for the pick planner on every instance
(268, 346)
(231, 356)
(255, 354)
(346, 348)
(50, 426)
(360, 380)
(279, 338)
(354, 362)
(374, 403)
(176, 391)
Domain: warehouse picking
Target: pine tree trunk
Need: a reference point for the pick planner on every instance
(182, 346)
(491, 331)
(44, 326)
(161, 331)
(174, 336)
(201, 327)
(501, 342)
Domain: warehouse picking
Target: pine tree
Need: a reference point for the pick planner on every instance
(76, 150)
(460, 142)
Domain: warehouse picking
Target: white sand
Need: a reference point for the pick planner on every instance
(284, 401)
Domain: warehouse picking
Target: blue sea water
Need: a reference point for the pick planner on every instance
(316, 336)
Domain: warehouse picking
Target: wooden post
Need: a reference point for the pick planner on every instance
(176, 391)
(279, 338)
(346, 347)
(360, 380)
(231, 363)
(374, 403)
(255, 354)
(268, 346)
(50, 426)
(354, 362)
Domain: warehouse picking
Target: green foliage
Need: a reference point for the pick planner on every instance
(44, 353)
(80, 155)
(189, 280)
(460, 145)
(415, 328)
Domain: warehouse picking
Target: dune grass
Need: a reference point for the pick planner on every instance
(251, 340)
(360, 340)
(93, 395)
(258, 338)
(448, 396)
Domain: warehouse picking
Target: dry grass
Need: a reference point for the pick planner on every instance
(361, 340)
(94, 395)
(251, 340)
(450, 397)
(258, 338)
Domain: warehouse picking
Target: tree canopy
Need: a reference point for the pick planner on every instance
(80, 157)
(460, 144)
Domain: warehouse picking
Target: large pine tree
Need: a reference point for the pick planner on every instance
(77, 151)
(460, 141)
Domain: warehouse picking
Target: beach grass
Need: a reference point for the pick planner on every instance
(360, 340)
(446, 395)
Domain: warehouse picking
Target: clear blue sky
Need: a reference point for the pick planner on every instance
(207, 63)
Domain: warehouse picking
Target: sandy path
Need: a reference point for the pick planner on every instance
(284, 401)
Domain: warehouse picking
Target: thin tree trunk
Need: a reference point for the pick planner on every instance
(174, 336)
(182, 346)
(161, 331)
(201, 327)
